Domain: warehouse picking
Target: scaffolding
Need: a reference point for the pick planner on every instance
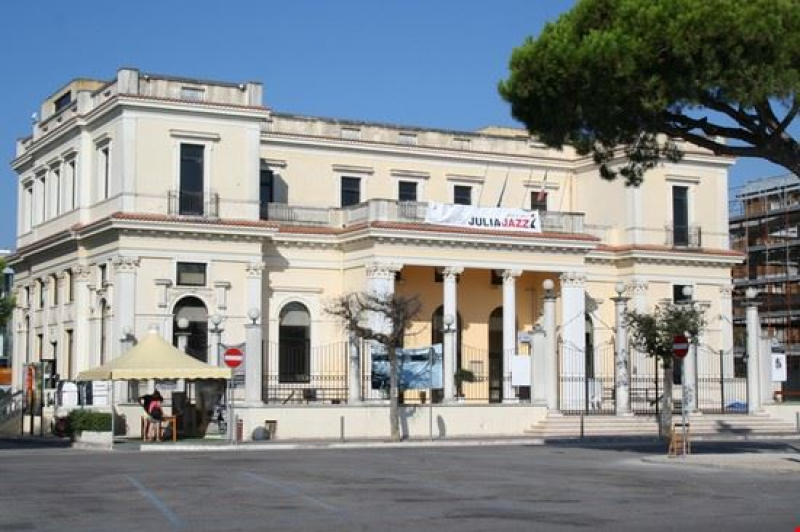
(764, 221)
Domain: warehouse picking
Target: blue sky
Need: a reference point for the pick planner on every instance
(415, 62)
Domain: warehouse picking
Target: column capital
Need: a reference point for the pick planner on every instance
(82, 273)
(573, 279)
(254, 270)
(383, 270)
(726, 291)
(125, 264)
(638, 287)
(452, 271)
(511, 275)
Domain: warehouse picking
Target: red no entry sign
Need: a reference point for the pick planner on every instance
(680, 345)
(233, 357)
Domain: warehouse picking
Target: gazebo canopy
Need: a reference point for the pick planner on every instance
(154, 358)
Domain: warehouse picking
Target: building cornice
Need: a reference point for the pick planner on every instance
(654, 254)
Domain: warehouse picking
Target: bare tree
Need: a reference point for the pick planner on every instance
(394, 315)
(654, 334)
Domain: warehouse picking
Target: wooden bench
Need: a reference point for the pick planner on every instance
(147, 422)
(780, 396)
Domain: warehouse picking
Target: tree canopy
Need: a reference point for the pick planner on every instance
(7, 302)
(624, 77)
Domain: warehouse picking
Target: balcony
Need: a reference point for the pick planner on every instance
(683, 236)
(380, 210)
(186, 203)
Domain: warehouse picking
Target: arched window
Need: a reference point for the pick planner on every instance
(194, 310)
(294, 344)
(589, 347)
(496, 355)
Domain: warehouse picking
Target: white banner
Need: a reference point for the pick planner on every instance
(473, 217)
(779, 372)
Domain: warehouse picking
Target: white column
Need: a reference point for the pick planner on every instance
(551, 349)
(640, 361)
(124, 299)
(765, 371)
(252, 363)
(622, 377)
(573, 331)
(509, 331)
(726, 329)
(539, 366)
(253, 366)
(380, 282)
(753, 355)
(354, 371)
(450, 338)
(83, 334)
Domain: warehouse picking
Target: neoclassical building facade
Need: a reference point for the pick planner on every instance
(146, 199)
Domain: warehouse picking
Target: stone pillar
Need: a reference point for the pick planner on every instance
(622, 375)
(380, 282)
(726, 329)
(216, 340)
(551, 349)
(354, 371)
(753, 355)
(573, 334)
(451, 336)
(252, 363)
(253, 359)
(124, 298)
(641, 364)
(539, 366)
(509, 331)
(82, 332)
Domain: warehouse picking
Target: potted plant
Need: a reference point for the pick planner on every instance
(90, 428)
(460, 377)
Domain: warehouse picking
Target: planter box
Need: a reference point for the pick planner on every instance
(93, 440)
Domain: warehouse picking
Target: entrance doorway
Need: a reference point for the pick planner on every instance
(496, 356)
(194, 310)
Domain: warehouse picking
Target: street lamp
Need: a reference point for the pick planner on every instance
(448, 322)
(216, 330)
(253, 314)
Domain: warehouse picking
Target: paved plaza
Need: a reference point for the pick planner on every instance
(732, 486)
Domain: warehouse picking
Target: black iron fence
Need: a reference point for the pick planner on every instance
(300, 374)
(586, 380)
(719, 390)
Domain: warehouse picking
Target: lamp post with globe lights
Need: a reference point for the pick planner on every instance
(216, 338)
(448, 347)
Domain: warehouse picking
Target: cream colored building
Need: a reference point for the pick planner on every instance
(149, 198)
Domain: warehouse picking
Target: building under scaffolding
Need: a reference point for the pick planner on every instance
(764, 221)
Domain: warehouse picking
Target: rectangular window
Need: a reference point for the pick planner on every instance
(462, 195)
(539, 201)
(678, 295)
(351, 191)
(62, 102)
(191, 274)
(266, 192)
(27, 215)
(102, 274)
(42, 200)
(54, 287)
(680, 216)
(56, 192)
(70, 194)
(407, 191)
(40, 287)
(69, 348)
(192, 179)
(70, 286)
(104, 169)
(497, 277)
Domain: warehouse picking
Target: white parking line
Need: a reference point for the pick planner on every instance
(292, 491)
(176, 521)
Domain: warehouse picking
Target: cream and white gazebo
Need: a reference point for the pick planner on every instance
(153, 358)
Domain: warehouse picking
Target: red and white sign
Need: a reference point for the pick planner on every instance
(233, 357)
(680, 345)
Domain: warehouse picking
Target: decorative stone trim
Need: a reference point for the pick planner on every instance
(452, 271)
(638, 287)
(510, 275)
(254, 270)
(726, 291)
(573, 280)
(383, 270)
(82, 273)
(125, 264)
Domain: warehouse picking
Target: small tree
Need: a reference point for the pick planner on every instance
(395, 314)
(7, 302)
(654, 334)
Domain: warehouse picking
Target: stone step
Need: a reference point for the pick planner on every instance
(701, 425)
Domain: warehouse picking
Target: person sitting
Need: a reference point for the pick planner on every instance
(155, 413)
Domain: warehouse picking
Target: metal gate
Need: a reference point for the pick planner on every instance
(721, 382)
(586, 380)
(646, 383)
